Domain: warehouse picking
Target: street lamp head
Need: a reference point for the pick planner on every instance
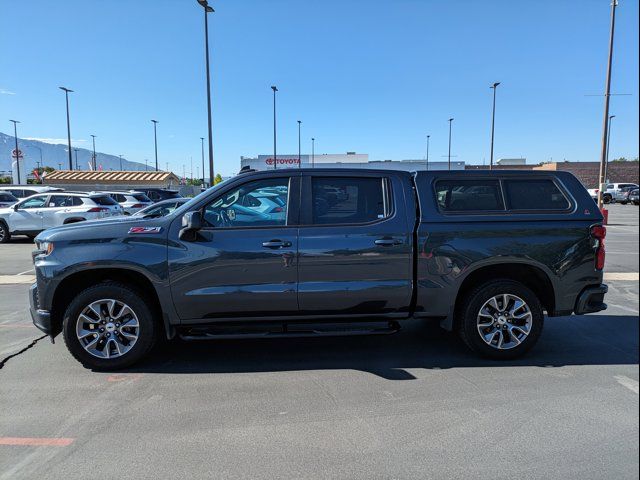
(299, 121)
(274, 88)
(15, 121)
(155, 121)
(451, 119)
(611, 116)
(68, 90)
(495, 85)
(94, 136)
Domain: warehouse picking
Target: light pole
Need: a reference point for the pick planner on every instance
(66, 94)
(146, 163)
(493, 121)
(94, 161)
(450, 121)
(202, 145)
(155, 141)
(605, 129)
(606, 165)
(76, 152)
(15, 135)
(313, 152)
(428, 137)
(299, 145)
(120, 162)
(40, 162)
(207, 9)
(275, 162)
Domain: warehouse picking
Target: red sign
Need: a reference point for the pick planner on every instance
(283, 161)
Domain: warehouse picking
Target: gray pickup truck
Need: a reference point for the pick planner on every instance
(317, 252)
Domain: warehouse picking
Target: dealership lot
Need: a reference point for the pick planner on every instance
(413, 405)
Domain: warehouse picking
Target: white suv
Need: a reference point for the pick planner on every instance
(130, 201)
(39, 212)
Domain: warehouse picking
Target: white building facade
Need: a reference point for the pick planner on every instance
(348, 160)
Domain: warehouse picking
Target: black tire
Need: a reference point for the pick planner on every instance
(5, 234)
(467, 318)
(606, 198)
(148, 329)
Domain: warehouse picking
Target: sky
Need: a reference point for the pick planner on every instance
(372, 77)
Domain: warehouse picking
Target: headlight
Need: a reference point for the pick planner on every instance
(44, 248)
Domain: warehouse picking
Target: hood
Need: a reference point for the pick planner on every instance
(116, 227)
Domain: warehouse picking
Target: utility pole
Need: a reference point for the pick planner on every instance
(94, 162)
(493, 121)
(66, 94)
(120, 162)
(606, 163)
(15, 135)
(76, 152)
(299, 146)
(275, 156)
(603, 151)
(202, 145)
(450, 121)
(428, 137)
(313, 152)
(155, 140)
(208, 9)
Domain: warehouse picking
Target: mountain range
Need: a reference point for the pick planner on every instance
(55, 155)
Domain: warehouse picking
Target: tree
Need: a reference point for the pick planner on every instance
(217, 179)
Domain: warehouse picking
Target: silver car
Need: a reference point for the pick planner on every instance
(34, 214)
(131, 201)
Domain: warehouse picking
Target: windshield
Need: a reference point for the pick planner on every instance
(187, 206)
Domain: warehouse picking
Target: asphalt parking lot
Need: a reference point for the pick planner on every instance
(412, 405)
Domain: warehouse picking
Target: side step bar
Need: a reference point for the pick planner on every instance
(287, 330)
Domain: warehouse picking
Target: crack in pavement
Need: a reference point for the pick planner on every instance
(6, 359)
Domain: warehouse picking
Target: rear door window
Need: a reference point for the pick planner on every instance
(478, 195)
(141, 197)
(340, 200)
(60, 201)
(104, 200)
(534, 194)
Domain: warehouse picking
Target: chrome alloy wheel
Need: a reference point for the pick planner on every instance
(107, 328)
(504, 321)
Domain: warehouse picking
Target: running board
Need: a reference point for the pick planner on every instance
(288, 330)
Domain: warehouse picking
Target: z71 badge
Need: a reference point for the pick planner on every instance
(145, 229)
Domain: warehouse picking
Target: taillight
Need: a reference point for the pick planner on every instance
(137, 205)
(278, 210)
(599, 232)
(98, 210)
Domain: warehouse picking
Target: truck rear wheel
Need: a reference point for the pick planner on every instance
(500, 319)
(109, 326)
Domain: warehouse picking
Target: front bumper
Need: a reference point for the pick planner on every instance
(41, 318)
(591, 300)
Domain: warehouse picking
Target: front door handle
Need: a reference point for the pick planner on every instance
(276, 244)
(388, 242)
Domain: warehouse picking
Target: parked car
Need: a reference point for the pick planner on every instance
(162, 208)
(484, 253)
(24, 191)
(130, 201)
(623, 196)
(34, 214)
(158, 194)
(633, 196)
(6, 199)
(614, 192)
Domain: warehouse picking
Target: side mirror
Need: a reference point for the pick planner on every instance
(191, 223)
(16, 207)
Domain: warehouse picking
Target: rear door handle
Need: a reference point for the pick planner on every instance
(388, 242)
(276, 244)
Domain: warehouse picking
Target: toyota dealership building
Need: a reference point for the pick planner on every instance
(342, 160)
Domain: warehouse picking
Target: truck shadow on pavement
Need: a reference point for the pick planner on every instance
(578, 340)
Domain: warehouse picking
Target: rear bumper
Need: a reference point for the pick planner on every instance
(591, 300)
(41, 318)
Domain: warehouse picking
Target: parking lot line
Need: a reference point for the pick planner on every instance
(628, 383)
(16, 279)
(27, 271)
(629, 276)
(36, 441)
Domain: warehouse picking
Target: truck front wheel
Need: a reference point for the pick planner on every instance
(109, 326)
(500, 319)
